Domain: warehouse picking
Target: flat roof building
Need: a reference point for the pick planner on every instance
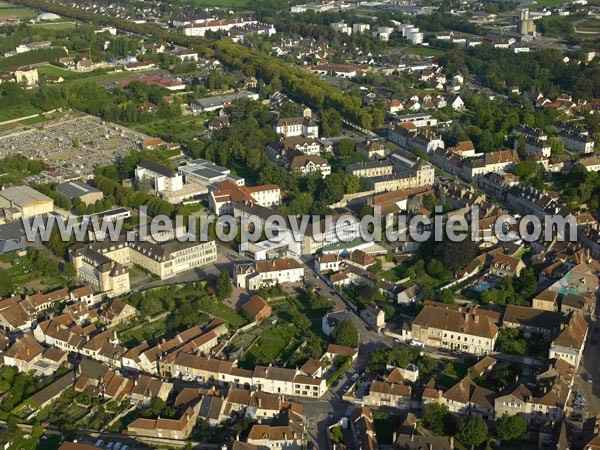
(24, 201)
(78, 189)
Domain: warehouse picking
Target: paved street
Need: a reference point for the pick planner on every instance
(590, 365)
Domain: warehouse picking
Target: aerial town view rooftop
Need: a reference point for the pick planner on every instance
(273, 225)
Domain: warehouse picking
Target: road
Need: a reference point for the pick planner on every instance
(331, 408)
(590, 365)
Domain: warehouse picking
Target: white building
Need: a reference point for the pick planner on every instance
(161, 178)
(341, 27)
(202, 27)
(297, 126)
(360, 27)
(259, 274)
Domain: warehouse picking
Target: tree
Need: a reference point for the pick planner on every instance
(472, 431)
(433, 417)
(345, 333)
(331, 122)
(224, 286)
(510, 340)
(511, 428)
(6, 283)
(69, 271)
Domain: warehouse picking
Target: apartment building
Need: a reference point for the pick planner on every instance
(103, 264)
(536, 147)
(496, 161)
(470, 330)
(98, 271)
(576, 141)
(161, 178)
(200, 28)
(371, 169)
(417, 174)
(325, 233)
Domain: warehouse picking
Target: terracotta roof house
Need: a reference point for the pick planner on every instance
(334, 350)
(24, 353)
(471, 330)
(531, 320)
(257, 308)
(467, 397)
(570, 342)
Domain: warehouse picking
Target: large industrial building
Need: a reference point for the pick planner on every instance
(23, 201)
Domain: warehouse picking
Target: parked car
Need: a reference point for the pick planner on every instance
(354, 377)
(417, 343)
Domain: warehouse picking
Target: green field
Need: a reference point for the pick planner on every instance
(17, 11)
(425, 51)
(233, 3)
(15, 112)
(53, 70)
(67, 25)
(588, 25)
(546, 4)
(270, 345)
(177, 130)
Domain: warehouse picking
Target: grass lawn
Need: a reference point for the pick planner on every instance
(53, 70)
(546, 4)
(56, 25)
(104, 77)
(14, 112)
(21, 268)
(395, 273)
(269, 346)
(18, 12)
(425, 51)
(222, 2)
(34, 120)
(184, 128)
(145, 332)
(590, 25)
(228, 314)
